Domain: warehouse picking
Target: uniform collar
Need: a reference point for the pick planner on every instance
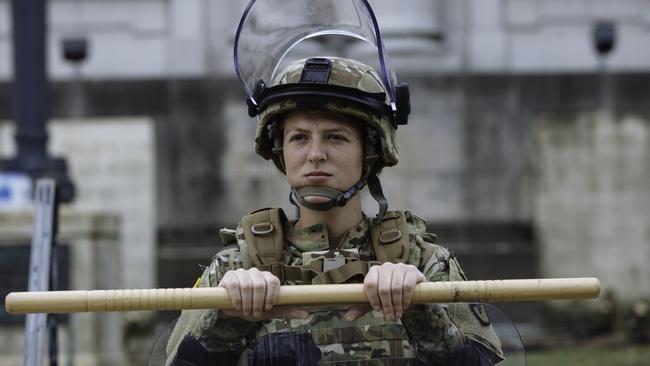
(313, 238)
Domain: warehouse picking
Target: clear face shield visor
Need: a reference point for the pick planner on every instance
(272, 34)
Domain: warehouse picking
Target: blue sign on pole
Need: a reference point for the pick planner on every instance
(15, 192)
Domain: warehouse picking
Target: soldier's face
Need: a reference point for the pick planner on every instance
(322, 149)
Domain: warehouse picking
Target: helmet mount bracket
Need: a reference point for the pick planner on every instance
(402, 104)
(316, 70)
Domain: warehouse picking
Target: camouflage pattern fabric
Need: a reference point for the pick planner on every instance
(426, 332)
(345, 72)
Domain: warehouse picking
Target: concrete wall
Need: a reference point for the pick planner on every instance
(592, 200)
(193, 38)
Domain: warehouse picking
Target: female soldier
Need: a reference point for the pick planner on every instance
(329, 124)
(328, 153)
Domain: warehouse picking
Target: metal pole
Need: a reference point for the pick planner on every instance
(30, 84)
(30, 99)
(53, 319)
(39, 268)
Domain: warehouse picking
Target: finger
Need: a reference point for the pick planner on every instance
(397, 284)
(356, 312)
(231, 284)
(272, 290)
(370, 287)
(420, 276)
(246, 289)
(384, 289)
(410, 279)
(259, 291)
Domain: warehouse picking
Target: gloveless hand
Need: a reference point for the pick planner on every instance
(253, 294)
(389, 287)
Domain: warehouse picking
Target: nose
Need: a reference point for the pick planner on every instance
(317, 152)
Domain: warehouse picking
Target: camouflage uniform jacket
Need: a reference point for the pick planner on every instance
(427, 333)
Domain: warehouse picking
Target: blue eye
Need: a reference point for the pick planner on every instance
(297, 137)
(337, 137)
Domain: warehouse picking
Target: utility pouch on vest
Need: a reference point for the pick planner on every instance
(265, 228)
(390, 238)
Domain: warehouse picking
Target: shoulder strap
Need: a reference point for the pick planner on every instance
(390, 238)
(264, 234)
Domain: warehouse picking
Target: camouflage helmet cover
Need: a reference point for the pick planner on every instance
(346, 73)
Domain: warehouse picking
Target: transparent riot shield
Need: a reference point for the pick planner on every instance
(271, 33)
(511, 342)
(158, 354)
(514, 353)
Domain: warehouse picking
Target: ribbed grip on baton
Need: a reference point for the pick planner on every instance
(117, 300)
(507, 290)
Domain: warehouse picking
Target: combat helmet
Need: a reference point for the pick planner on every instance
(326, 83)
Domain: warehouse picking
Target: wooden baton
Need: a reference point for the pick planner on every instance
(217, 297)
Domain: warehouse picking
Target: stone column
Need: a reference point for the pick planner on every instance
(93, 242)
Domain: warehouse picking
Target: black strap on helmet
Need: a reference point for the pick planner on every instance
(313, 92)
(275, 135)
(374, 186)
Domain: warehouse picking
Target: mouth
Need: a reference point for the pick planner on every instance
(318, 173)
(317, 177)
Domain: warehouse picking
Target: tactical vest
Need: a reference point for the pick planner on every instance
(370, 337)
(325, 337)
(264, 248)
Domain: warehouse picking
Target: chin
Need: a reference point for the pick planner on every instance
(316, 199)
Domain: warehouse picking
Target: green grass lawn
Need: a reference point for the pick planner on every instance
(591, 356)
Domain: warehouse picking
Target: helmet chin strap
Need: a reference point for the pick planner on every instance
(374, 186)
(336, 198)
(300, 195)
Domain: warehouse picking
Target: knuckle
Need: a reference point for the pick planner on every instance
(370, 285)
(372, 272)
